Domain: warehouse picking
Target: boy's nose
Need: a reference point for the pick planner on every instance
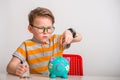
(45, 30)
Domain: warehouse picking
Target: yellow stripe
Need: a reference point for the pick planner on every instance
(40, 59)
(39, 69)
(20, 50)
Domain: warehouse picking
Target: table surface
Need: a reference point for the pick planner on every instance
(6, 76)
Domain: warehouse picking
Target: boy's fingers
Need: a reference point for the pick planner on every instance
(21, 66)
(21, 69)
(66, 40)
(19, 73)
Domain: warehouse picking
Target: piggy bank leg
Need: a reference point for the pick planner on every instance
(65, 76)
(52, 76)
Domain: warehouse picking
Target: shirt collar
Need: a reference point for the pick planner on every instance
(34, 39)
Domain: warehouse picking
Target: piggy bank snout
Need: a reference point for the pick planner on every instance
(60, 67)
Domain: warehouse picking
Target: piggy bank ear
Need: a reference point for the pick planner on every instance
(67, 58)
(51, 59)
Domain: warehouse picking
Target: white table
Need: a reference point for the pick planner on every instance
(5, 76)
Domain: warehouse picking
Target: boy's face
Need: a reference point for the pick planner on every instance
(42, 28)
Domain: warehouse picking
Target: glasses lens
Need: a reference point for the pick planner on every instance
(50, 30)
(44, 29)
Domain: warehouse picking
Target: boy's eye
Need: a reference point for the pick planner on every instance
(41, 27)
(48, 27)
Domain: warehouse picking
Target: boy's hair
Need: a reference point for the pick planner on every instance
(40, 11)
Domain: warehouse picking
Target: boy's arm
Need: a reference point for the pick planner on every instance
(15, 67)
(77, 38)
(68, 38)
(12, 65)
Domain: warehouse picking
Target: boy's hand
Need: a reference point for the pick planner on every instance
(66, 38)
(21, 69)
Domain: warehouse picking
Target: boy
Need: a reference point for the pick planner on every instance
(38, 50)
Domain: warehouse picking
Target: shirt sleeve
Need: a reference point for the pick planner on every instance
(20, 53)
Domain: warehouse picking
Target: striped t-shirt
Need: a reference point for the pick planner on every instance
(38, 55)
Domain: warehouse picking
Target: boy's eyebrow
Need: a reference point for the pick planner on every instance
(43, 26)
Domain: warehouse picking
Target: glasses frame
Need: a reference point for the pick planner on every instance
(44, 29)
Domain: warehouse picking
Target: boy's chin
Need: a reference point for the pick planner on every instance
(44, 41)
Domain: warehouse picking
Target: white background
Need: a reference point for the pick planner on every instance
(97, 20)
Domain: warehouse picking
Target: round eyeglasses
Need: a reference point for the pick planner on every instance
(43, 29)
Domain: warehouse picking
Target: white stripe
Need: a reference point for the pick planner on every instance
(49, 53)
(39, 64)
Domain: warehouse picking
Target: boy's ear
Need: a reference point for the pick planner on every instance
(30, 28)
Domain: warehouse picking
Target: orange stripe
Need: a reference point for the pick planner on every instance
(20, 50)
(61, 48)
(60, 37)
(30, 43)
(58, 54)
(39, 69)
(52, 38)
(35, 51)
(40, 59)
(44, 58)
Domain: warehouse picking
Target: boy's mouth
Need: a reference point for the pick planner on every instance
(44, 37)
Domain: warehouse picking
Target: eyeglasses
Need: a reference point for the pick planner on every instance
(43, 29)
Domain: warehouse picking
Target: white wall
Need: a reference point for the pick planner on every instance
(97, 20)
